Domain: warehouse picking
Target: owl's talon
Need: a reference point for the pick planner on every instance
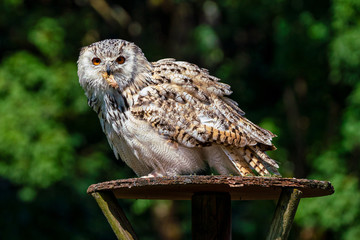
(153, 174)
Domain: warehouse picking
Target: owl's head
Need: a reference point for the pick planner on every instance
(111, 63)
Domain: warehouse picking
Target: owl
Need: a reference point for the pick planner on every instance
(169, 117)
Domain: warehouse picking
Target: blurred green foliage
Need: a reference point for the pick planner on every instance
(293, 67)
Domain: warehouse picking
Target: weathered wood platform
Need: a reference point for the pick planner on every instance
(211, 200)
(183, 187)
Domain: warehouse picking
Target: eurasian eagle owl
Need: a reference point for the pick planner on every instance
(169, 117)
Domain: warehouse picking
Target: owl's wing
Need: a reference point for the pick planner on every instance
(188, 106)
(184, 118)
(195, 89)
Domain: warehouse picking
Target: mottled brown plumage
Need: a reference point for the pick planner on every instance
(182, 106)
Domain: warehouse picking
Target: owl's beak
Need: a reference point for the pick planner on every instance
(110, 79)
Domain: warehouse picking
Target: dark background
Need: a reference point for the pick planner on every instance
(293, 66)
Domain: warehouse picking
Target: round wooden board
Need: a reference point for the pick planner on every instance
(183, 187)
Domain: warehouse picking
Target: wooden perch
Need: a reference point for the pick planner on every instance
(183, 187)
(211, 200)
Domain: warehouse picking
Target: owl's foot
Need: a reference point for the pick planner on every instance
(153, 174)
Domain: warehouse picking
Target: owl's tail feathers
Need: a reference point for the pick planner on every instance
(249, 159)
(237, 161)
(269, 163)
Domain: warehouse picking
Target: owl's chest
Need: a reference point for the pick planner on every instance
(134, 141)
(141, 146)
(118, 119)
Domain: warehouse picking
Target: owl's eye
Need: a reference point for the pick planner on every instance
(120, 60)
(96, 61)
